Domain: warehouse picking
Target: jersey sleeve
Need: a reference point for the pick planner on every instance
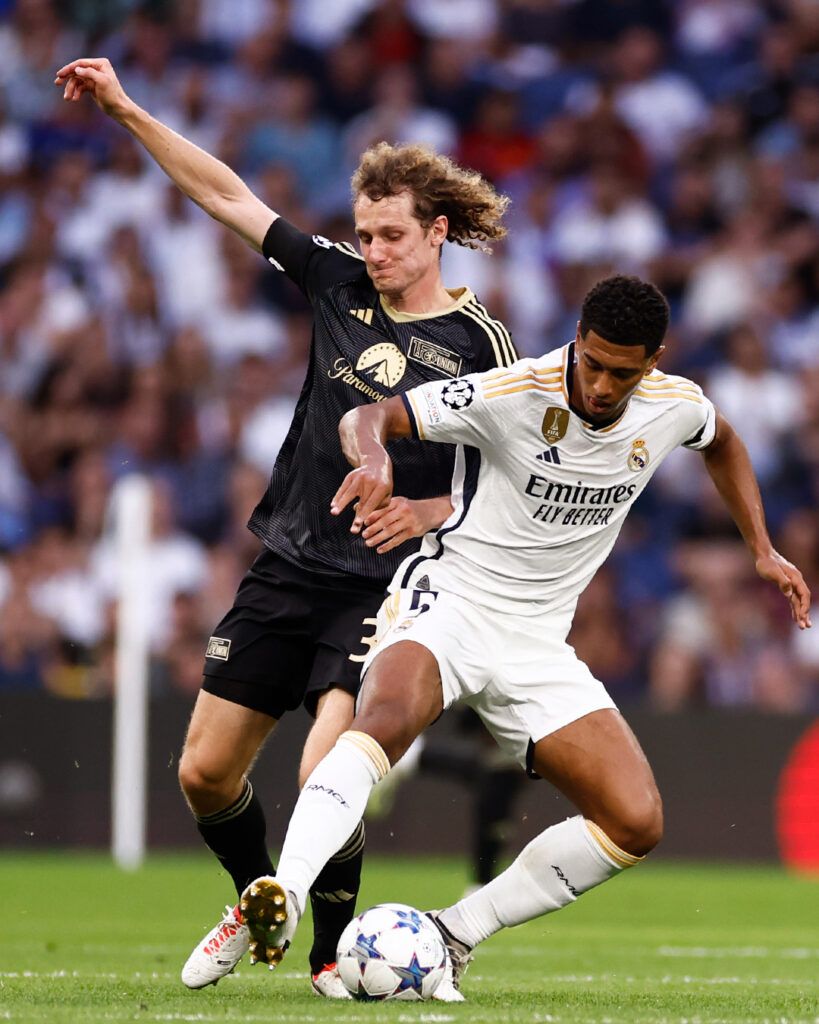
(453, 411)
(313, 263)
(700, 423)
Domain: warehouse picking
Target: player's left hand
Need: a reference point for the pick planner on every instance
(790, 581)
(397, 522)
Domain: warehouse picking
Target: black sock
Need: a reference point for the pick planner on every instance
(495, 796)
(333, 897)
(237, 836)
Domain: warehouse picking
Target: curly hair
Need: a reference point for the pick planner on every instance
(626, 311)
(439, 187)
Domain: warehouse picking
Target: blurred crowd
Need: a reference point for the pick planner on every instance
(676, 140)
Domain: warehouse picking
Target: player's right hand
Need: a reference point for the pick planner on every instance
(370, 486)
(96, 76)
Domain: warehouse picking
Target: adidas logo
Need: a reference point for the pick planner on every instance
(423, 583)
(550, 455)
(363, 314)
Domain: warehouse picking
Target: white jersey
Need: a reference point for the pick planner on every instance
(539, 494)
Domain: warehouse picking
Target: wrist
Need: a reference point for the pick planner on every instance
(129, 114)
(763, 549)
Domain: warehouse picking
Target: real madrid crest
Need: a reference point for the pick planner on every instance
(638, 456)
(555, 423)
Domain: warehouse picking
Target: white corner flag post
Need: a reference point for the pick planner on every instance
(131, 503)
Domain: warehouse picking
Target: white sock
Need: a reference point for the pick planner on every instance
(329, 809)
(552, 871)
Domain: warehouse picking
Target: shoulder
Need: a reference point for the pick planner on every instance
(487, 334)
(666, 388)
(314, 262)
(677, 407)
(541, 376)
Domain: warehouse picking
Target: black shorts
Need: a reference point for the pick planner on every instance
(290, 636)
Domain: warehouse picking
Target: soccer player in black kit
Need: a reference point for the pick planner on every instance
(304, 614)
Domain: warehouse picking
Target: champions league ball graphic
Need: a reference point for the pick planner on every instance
(391, 951)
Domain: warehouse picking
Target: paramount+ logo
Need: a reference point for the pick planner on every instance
(383, 363)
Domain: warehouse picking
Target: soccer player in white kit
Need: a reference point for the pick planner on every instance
(554, 452)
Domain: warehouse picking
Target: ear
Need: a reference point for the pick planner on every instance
(438, 230)
(577, 337)
(654, 360)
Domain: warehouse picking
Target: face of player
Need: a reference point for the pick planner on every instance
(402, 256)
(606, 375)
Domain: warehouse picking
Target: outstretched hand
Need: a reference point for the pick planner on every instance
(790, 581)
(96, 76)
(370, 486)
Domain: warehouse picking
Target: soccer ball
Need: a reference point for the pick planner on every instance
(391, 951)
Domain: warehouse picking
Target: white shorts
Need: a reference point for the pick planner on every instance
(523, 680)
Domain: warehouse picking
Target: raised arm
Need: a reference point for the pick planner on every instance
(210, 183)
(727, 461)
(364, 432)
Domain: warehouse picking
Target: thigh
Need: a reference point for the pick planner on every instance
(334, 715)
(538, 685)
(599, 765)
(458, 636)
(401, 695)
(224, 738)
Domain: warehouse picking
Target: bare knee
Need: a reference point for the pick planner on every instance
(637, 828)
(221, 745)
(208, 787)
(392, 728)
(401, 696)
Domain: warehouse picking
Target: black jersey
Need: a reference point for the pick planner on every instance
(361, 351)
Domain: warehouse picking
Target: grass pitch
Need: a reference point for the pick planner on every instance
(664, 944)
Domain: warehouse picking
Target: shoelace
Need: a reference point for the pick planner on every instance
(228, 928)
(327, 967)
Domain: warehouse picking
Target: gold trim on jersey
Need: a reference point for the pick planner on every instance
(620, 857)
(658, 375)
(664, 385)
(419, 423)
(500, 378)
(494, 378)
(604, 430)
(531, 378)
(669, 392)
(513, 389)
(460, 295)
(497, 342)
(565, 374)
(391, 606)
(504, 337)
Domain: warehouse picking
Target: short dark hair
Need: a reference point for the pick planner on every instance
(626, 311)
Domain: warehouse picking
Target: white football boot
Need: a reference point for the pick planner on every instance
(271, 915)
(458, 958)
(328, 983)
(219, 952)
